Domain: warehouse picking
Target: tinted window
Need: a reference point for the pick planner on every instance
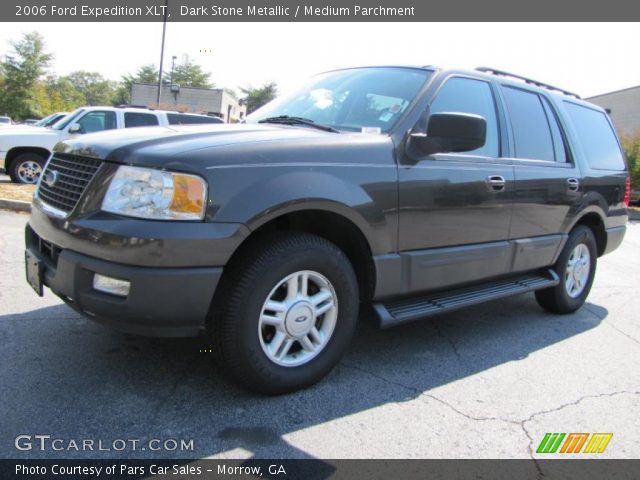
(136, 119)
(531, 130)
(597, 137)
(466, 95)
(97, 121)
(185, 119)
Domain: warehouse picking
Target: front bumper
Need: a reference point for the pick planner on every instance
(165, 302)
(173, 267)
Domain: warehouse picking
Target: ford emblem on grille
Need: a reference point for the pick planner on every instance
(51, 177)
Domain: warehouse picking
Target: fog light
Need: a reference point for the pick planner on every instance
(114, 286)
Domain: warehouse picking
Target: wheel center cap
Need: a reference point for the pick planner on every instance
(299, 319)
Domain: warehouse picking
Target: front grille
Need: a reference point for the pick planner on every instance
(73, 174)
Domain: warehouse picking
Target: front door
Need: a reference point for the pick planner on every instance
(455, 209)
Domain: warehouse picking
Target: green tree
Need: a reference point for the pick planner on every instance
(145, 74)
(63, 95)
(187, 73)
(21, 72)
(631, 147)
(257, 97)
(96, 89)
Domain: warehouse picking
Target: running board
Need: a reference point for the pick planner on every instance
(396, 312)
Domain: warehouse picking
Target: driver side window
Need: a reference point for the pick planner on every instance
(466, 95)
(97, 121)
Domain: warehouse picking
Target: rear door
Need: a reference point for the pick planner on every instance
(455, 209)
(547, 179)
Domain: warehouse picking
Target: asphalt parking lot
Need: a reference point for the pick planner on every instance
(485, 382)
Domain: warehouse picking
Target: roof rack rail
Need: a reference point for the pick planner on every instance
(502, 73)
(126, 105)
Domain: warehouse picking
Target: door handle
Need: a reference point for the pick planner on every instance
(496, 183)
(573, 184)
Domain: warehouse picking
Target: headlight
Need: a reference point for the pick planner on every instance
(154, 194)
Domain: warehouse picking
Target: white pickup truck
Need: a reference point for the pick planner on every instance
(24, 151)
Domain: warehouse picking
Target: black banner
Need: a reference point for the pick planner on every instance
(313, 469)
(312, 11)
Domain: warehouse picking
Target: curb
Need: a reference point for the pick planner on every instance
(15, 205)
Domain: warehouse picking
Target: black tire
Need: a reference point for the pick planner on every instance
(27, 159)
(249, 280)
(557, 299)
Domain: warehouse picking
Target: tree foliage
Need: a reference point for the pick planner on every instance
(187, 73)
(21, 70)
(95, 89)
(145, 74)
(257, 97)
(27, 91)
(631, 147)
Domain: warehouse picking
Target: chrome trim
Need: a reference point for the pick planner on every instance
(46, 208)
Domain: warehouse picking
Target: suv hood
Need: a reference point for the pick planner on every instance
(27, 131)
(197, 147)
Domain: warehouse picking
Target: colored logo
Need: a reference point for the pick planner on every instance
(574, 443)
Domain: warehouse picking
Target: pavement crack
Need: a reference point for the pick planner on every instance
(604, 320)
(578, 401)
(380, 377)
(165, 399)
(633, 339)
(447, 339)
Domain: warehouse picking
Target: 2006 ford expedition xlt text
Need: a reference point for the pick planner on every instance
(414, 190)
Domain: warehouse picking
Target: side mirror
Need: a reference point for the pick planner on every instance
(75, 128)
(450, 132)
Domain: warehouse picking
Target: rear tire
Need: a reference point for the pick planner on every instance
(576, 267)
(286, 312)
(26, 168)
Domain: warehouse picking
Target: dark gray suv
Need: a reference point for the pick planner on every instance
(414, 190)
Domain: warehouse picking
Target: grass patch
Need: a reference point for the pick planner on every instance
(15, 191)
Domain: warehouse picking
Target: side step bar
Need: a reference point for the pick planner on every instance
(396, 312)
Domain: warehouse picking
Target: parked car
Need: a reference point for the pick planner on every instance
(49, 120)
(635, 196)
(24, 151)
(414, 190)
(5, 121)
(30, 121)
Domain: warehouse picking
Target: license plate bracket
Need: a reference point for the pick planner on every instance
(34, 270)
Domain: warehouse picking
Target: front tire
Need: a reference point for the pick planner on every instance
(288, 307)
(26, 168)
(576, 267)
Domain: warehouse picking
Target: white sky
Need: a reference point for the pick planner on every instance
(588, 58)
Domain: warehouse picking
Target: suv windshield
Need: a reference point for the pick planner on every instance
(353, 100)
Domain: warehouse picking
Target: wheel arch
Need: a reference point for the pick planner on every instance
(335, 227)
(16, 151)
(593, 219)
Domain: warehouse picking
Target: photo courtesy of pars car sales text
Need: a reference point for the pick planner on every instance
(123, 469)
(349, 239)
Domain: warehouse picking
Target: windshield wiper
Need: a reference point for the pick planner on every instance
(289, 120)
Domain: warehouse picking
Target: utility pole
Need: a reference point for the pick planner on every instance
(164, 31)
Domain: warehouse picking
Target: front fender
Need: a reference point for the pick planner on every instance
(366, 196)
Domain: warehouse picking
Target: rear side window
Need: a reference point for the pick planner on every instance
(136, 119)
(466, 95)
(185, 119)
(530, 125)
(597, 137)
